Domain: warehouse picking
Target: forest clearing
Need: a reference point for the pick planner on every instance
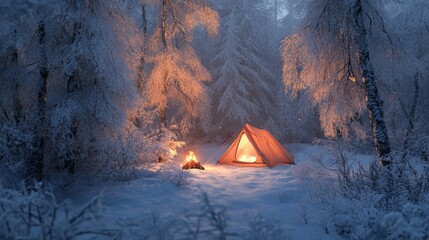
(275, 203)
(214, 119)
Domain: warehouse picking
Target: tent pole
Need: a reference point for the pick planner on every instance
(222, 146)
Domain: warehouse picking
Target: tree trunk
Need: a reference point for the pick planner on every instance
(373, 101)
(163, 107)
(17, 105)
(35, 170)
(141, 70)
(12, 55)
(411, 116)
(164, 24)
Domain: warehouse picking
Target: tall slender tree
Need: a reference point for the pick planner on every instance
(36, 169)
(330, 57)
(372, 97)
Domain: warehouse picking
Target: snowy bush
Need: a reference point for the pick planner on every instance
(412, 222)
(150, 226)
(419, 146)
(140, 151)
(121, 157)
(174, 174)
(161, 144)
(36, 214)
(371, 203)
(203, 220)
(158, 148)
(208, 222)
(263, 228)
(15, 148)
(303, 213)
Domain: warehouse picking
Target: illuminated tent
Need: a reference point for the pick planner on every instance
(256, 147)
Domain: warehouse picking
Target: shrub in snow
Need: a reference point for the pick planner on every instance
(173, 173)
(15, 148)
(367, 202)
(263, 228)
(284, 197)
(411, 222)
(140, 151)
(203, 221)
(208, 222)
(36, 214)
(161, 144)
(150, 226)
(123, 157)
(303, 212)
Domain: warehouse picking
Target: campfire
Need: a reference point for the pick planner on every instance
(191, 162)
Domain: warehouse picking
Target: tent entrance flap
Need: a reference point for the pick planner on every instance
(246, 153)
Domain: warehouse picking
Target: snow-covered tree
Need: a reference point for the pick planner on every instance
(341, 50)
(408, 117)
(74, 83)
(93, 58)
(19, 79)
(175, 84)
(244, 86)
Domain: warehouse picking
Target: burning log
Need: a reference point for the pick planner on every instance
(192, 162)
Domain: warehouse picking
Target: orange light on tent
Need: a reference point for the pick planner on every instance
(191, 157)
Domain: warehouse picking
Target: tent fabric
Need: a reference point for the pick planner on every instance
(256, 147)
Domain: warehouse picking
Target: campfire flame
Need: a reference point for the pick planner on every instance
(248, 159)
(191, 157)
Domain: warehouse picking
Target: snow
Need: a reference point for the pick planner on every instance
(277, 193)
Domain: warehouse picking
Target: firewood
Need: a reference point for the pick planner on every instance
(192, 165)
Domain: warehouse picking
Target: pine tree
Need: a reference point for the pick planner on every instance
(243, 81)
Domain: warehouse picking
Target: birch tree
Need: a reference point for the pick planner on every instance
(331, 58)
(372, 97)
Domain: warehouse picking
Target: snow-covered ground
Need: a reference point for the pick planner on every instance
(278, 193)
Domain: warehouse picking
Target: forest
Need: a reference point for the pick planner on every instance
(100, 101)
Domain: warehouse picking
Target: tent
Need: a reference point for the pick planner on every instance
(256, 147)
